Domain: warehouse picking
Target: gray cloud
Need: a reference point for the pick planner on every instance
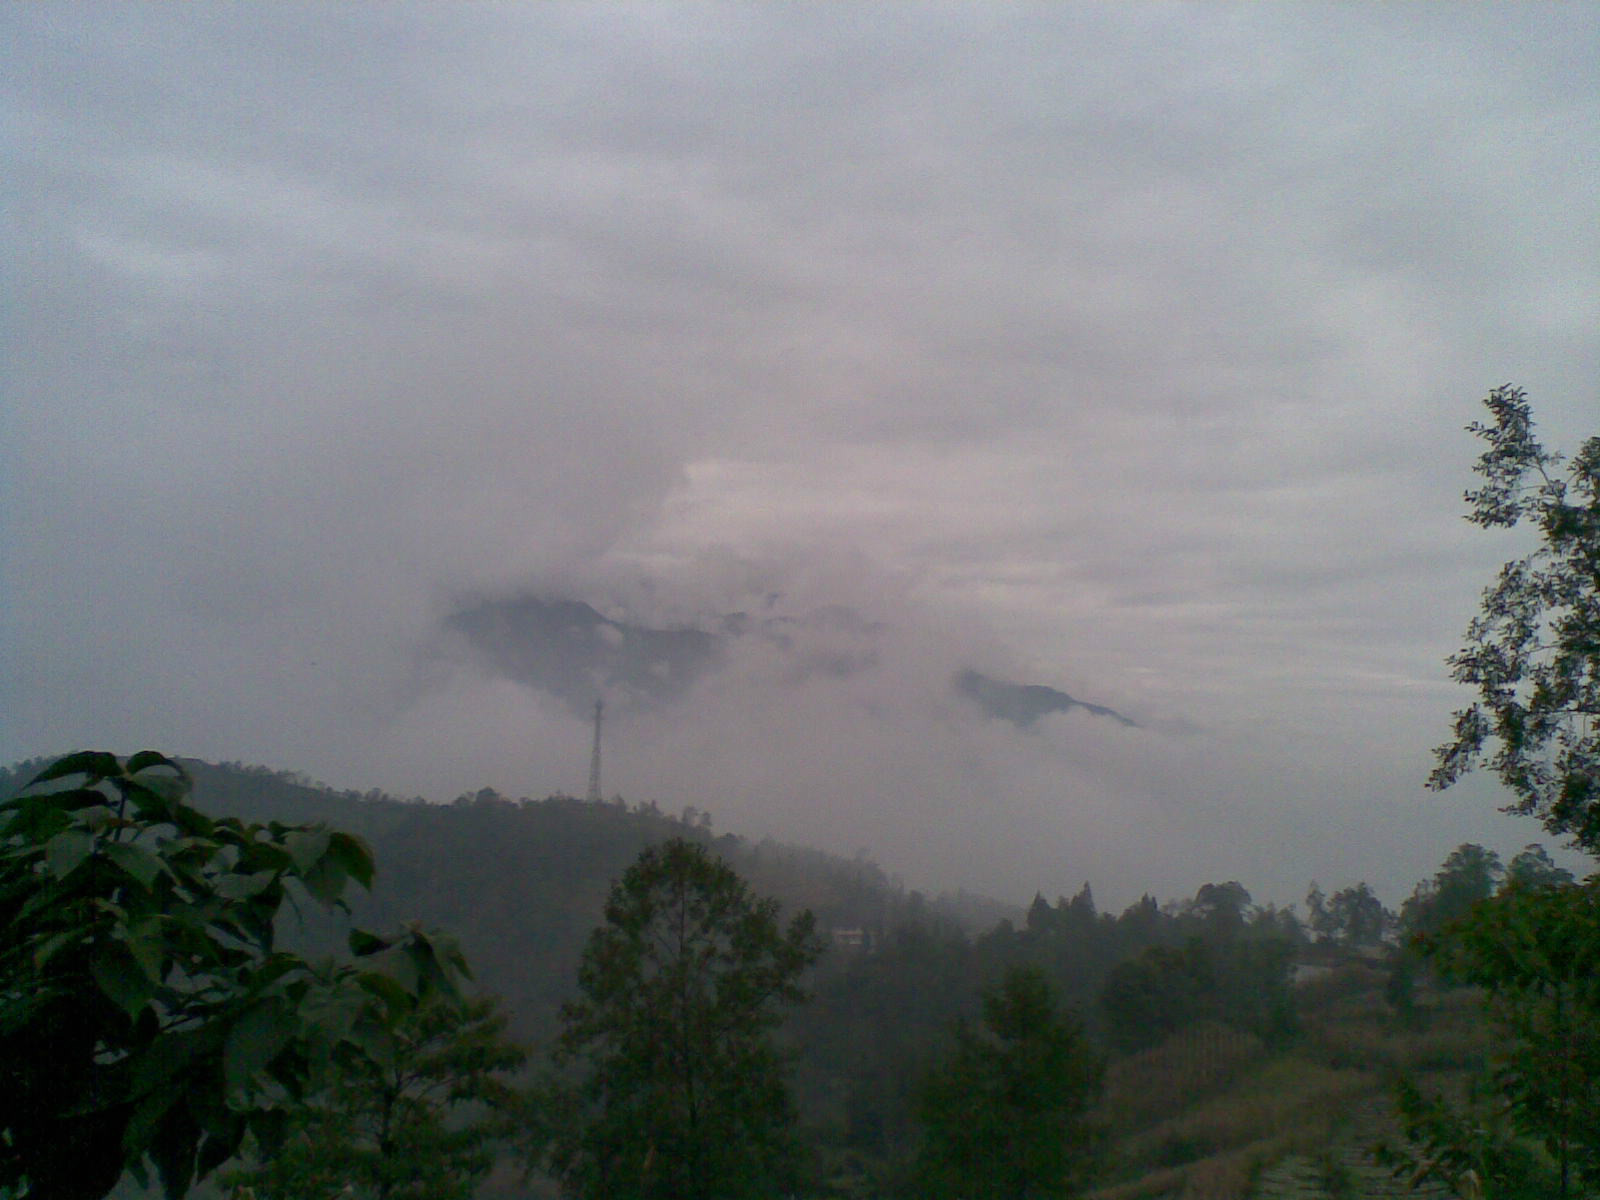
(1122, 350)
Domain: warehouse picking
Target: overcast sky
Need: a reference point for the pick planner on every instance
(1124, 349)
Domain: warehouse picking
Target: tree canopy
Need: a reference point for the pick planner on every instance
(681, 1091)
(1468, 875)
(1352, 916)
(1006, 1113)
(1533, 651)
(1533, 654)
(1534, 948)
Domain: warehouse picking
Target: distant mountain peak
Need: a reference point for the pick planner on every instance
(1023, 704)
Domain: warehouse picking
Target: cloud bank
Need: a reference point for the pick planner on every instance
(1123, 351)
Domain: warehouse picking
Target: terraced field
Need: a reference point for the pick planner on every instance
(1217, 1115)
(1344, 1170)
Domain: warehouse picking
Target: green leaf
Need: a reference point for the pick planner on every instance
(96, 764)
(156, 786)
(332, 1010)
(192, 821)
(151, 804)
(353, 855)
(98, 817)
(168, 1056)
(172, 1148)
(149, 944)
(121, 978)
(65, 852)
(146, 1117)
(137, 862)
(146, 759)
(394, 997)
(43, 899)
(306, 847)
(254, 1041)
(237, 886)
(54, 944)
(363, 942)
(375, 1039)
(255, 854)
(325, 880)
(440, 956)
(219, 1146)
(401, 963)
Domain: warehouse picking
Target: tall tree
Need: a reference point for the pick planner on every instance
(1221, 908)
(1353, 916)
(1467, 876)
(146, 1013)
(1533, 655)
(1536, 952)
(1533, 867)
(1359, 916)
(681, 1090)
(1318, 918)
(1533, 652)
(1006, 1113)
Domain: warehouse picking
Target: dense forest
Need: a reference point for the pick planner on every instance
(1187, 1000)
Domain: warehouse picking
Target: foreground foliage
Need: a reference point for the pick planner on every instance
(147, 1015)
(1535, 950)
(681, 1091)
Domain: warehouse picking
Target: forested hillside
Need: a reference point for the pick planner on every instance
(522, 882)
(1225, 1074)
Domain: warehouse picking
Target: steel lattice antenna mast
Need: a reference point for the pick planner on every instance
(594, 757)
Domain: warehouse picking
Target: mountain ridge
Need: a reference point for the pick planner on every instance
(569, 649)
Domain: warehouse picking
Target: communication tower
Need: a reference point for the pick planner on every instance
(594, 757)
